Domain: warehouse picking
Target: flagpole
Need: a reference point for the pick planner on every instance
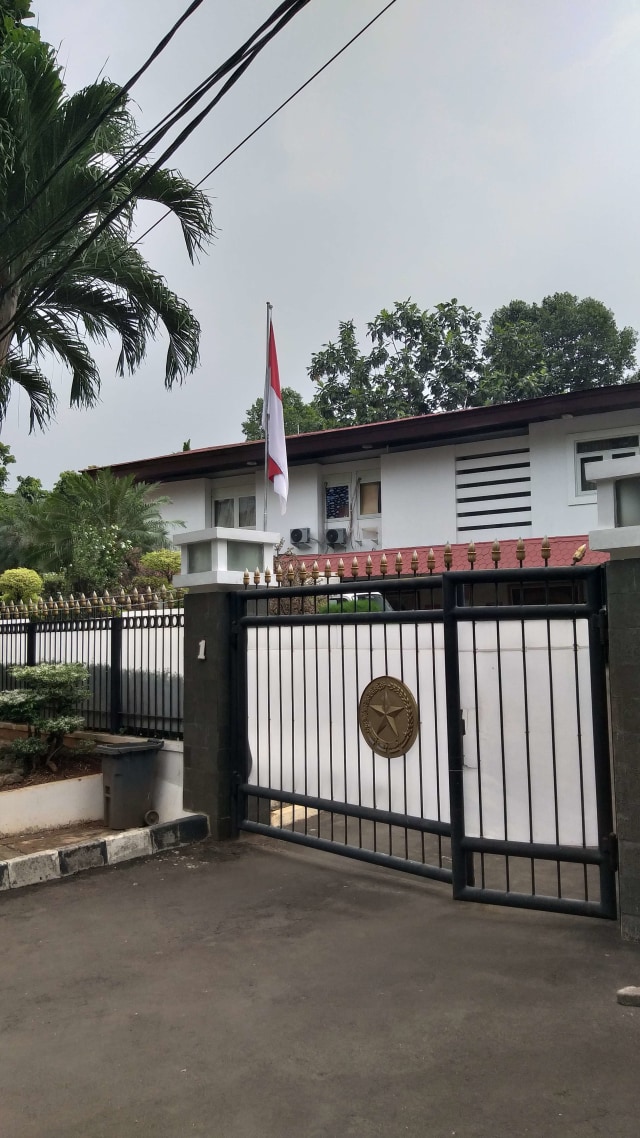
(266, 417)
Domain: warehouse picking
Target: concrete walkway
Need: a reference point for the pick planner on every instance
(255, 991)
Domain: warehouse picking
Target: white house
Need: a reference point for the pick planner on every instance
(506, 471)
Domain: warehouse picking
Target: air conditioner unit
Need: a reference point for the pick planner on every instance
(300, 536)
(337, 536)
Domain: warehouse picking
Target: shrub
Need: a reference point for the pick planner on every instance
(53, 584)
(20, 585)
(164, 561)
(47, 703)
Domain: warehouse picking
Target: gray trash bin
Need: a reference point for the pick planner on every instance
(127, 773)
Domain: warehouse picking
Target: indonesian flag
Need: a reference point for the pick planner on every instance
(273, 424)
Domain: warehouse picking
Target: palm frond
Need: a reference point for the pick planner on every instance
(190, 206)
(42, 400)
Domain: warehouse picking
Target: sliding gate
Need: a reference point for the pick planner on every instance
(450, 726)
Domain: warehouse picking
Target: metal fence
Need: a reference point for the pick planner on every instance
(135, 662)
(503, 790)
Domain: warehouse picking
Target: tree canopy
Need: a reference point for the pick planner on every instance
(448, 358)
(54, 298)
(299, 417)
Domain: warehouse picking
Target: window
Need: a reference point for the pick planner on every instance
(595, 450)
(370, 499)
(337, 501)
(233, 506)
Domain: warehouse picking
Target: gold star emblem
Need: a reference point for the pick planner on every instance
(388, 716)
(387, 710)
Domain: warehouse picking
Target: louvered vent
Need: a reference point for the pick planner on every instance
(493, 491)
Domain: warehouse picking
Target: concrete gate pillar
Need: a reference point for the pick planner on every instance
(623, 587)
(208, 709)
(618, 484)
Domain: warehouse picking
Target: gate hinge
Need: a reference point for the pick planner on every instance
(603, 626)
(609, 846)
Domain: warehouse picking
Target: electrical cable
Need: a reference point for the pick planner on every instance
(271, 116)
(131, 158)
(289, 9)
(230, 153)
(157, 51)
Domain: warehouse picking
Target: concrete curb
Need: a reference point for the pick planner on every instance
(51, 865)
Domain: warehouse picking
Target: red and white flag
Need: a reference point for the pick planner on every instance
(273, 425)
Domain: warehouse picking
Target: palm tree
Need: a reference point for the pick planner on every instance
(89, 524)
(109, 288)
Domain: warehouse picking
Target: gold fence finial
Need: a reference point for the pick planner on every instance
(315, 571)
(545, 550)
(369, 566)
(398, 563)
(471, 554)
(291, 573)
(341, 569)
(579, 554)
(448, 555)
(521, 552)
(246, 578)
(496, 553)
(303, 573)
(256, 576)
(431, 561)
(383, 565)
(414, 562)
(354, 568)
(279, 573)
(267, 576)
(327, 570)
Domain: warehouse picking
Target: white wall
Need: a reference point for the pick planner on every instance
(555, 508)
(418, 498)
(314, 746)
(418, 490)
(189, 503)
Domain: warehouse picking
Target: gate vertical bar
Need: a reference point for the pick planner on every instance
(595, 586)
(115, 675)
(32, 630)
(240, 726)
(461, 860)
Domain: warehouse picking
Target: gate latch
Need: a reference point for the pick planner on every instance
(609, 846)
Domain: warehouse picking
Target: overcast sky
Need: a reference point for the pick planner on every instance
(482, 149)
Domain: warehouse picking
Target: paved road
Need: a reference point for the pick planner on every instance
(254, 991)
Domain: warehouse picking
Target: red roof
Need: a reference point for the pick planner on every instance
(562, 552)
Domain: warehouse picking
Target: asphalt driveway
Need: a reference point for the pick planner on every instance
(254, 990)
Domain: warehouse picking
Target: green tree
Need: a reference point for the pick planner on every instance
(562, 344)
(299, 417)
(163, 562)
(89, 526)
(109, 289)
(419, 362)
(20, 584)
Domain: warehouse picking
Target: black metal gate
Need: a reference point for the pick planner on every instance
(505, 792)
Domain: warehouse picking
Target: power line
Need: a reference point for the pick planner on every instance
(229, 155)
(157, 51)
(127, 163)
(273, 114)
(286, 12)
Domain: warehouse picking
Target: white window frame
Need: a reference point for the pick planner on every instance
(578, 496)
(235, 488)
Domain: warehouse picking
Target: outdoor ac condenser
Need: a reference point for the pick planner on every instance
(337, 536)
(300, 536)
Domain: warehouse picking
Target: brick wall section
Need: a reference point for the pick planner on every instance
(623, 584)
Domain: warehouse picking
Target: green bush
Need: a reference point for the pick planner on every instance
(20, 585)
(53, 584)
(164, 561)
(47, 703)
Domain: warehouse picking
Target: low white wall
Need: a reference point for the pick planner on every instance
(50, 805)
(74, 800)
